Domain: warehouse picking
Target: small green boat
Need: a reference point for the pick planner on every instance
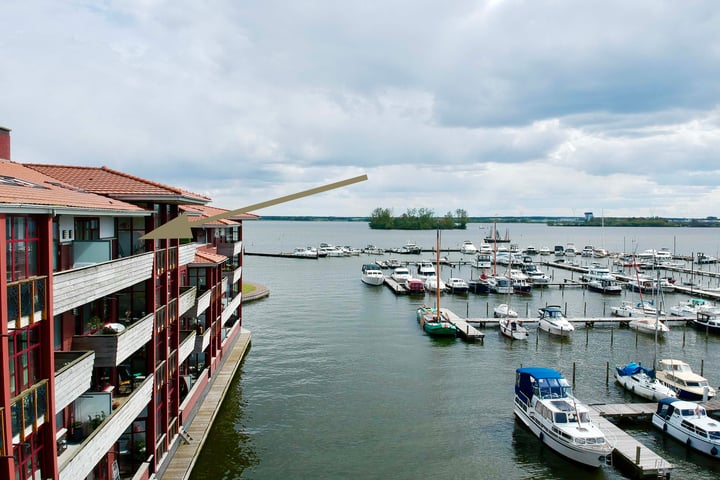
(432, 325)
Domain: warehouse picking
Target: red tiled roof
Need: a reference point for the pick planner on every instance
(106, 181)
(208, 254)
(25, 186)
(206, 211)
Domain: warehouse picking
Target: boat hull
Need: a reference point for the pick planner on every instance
(693, 441)
(555, 330)
(651, 391)
(589, 458)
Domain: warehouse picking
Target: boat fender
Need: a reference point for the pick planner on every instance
(714, 451)
(664, 427)
(688, 442)
(632, 389)
(542, 436)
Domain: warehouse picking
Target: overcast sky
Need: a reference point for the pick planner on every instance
(499, 107)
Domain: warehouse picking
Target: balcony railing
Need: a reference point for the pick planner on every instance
(187, 299)
(230, 308)
(73, 376)
(73, 288)
(229, 249)
(187, 344)
(202, 342)
(111, 349)
(81, 461)
(26, 301)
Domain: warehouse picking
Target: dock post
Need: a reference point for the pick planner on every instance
(612, 335)
(585, 309)
(684, 328)
(587, 333)
(636, 339)
(637, 455)
(607, 373)
(467, 310)
(573, 384)
(702, 366)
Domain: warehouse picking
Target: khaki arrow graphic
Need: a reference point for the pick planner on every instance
(180, 227)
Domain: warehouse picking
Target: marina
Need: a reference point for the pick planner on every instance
(353, 387)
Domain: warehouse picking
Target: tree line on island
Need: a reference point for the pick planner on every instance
(417, 219)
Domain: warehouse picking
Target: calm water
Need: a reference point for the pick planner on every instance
(341, 382)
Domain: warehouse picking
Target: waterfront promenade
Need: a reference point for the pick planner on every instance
(184, 456)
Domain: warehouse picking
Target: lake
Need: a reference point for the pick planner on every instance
(341, 382)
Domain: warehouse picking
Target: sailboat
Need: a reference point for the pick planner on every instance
(432, 320)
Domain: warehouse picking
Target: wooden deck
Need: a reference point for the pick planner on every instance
(183, 460)
(630, 453)
(467, 331)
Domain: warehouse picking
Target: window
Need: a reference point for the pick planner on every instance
(24, 355)
(22, 247)
(87, 229)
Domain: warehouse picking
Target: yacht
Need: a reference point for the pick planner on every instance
(372, 274)
(536, 277)
(599, 279)
(457, 285)
(642, 382)
(690, 308)
(400, 274)
(688, 385)
(544, 403)
(570, 250)
(425, 270)
(468, 248)
(554, 322)
(688, 423)
(499, 284)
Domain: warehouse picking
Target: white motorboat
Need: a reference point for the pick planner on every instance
(570, 250)
(687, 385)
(535, 276)
(425, 270)
(400, 274)
(690, 308)
(544, 403)
(307, 252)
(372, 274)
(553, 321)
(649, 325)
(504, 311)
(599, 279)
(457, 285)
(544, 251)
(519, 281)
(642, 382)
(499, 284)
(434, 283)
(513, 328)
(688, 423)
(707, 320)
(468, 248)
(640, 309)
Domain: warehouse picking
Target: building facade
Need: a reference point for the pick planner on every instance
(107, 340)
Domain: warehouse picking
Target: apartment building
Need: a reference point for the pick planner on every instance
(107, 340)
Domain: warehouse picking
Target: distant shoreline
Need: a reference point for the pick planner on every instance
(709, 222)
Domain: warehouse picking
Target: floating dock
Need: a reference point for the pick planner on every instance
(630, 453)
(466, 331)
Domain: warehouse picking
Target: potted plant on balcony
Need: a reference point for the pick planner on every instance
(95, 324)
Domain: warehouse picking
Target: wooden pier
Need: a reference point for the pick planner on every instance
(630, 453)
(466, 331)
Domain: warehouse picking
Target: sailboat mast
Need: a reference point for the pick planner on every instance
(437, 273)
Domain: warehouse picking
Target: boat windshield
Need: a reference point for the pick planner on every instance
(552, 388)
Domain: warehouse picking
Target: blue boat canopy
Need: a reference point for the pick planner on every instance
(540, 372)
(540, 382)
(632, 368)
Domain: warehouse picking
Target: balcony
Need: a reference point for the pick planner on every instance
(73, 288)
(202, 303)
(78, 461)
(111, 349)
(229, 309)
(187, 344)
(202, 342)
(73, 376)
(229, 249)
(187, 299)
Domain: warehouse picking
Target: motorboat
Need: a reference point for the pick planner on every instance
(468, 248)
(599, 279)
(372, 274)
(587, 251)
(642, 382)
(457, 285)
(373, 250)
(400, 274)
(553, 321)
(425, 270)
(535, 276)
(649, 325)
(415, 286)
(479, 285)
(504, 311)
(500, 284)
(409, 248)
(513, 328)
(688, 423)
(434, 283)
(687, 385)
(544, 251)
(531, 250)
(559, 250)
(707, 320)
(690, 308)
(599, 253)
(544, 403)
(307, 252)
(640, 309)
(519, 281)
(570, 250)
(483, 260)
